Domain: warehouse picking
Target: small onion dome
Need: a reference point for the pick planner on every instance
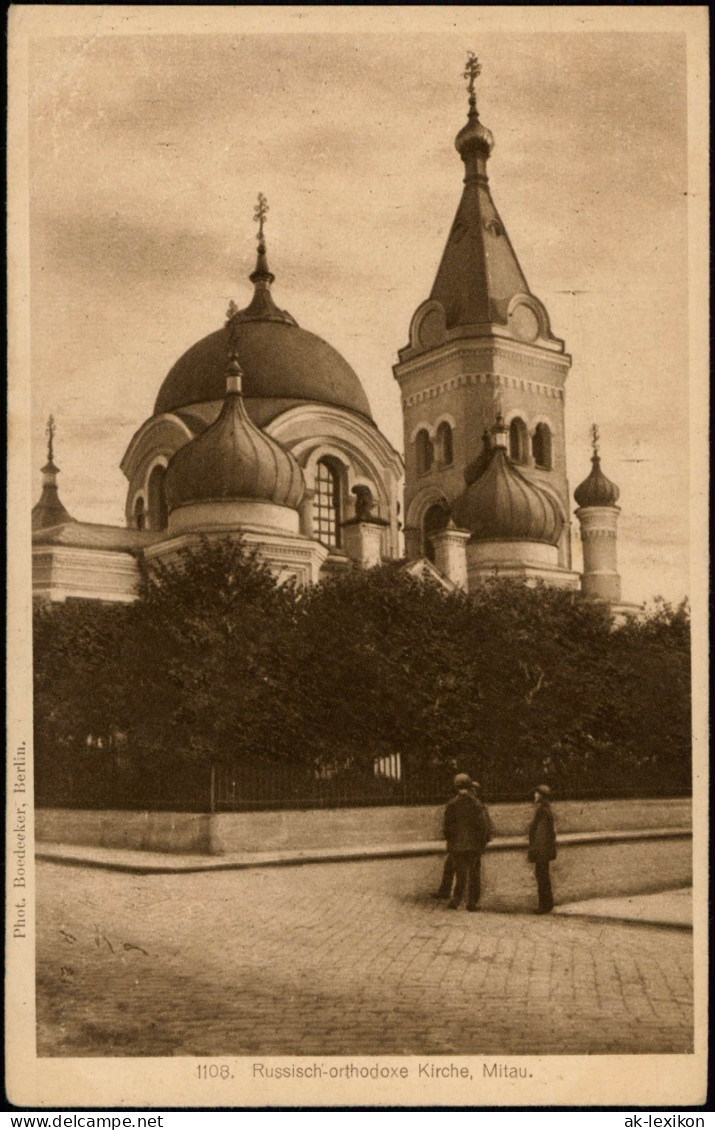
(596, 490)
(233, 459)
(502, 505)
(474, 137)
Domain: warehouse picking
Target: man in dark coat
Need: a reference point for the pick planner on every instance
(445, 887)
(466, 830)
(542, 846)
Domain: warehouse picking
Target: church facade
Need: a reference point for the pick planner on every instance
(262, 430)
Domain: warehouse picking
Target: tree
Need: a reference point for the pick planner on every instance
(294, 691)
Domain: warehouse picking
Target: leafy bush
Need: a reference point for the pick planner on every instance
(217, 664)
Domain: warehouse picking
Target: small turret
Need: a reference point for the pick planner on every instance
(49, 511)
(597, 514)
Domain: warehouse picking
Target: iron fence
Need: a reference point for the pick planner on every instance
(96, 779)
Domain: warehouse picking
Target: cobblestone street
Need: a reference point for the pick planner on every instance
(348, 958)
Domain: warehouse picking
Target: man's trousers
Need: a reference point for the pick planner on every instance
(467, 867)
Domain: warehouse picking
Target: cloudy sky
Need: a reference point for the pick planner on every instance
(147, 151)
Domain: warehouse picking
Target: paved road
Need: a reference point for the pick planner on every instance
(349, 958)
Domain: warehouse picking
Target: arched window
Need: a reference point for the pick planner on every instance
(541, 447)
(139, 515)
(435, 519)
(444, 445)
(424, 451)
(518, 441)
(158, 513)
(326, 504)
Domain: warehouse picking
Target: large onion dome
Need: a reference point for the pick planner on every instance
(596, 490)
(281, 362)
(233, 460)
(502, 505)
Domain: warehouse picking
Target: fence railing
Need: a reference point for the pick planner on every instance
(266, 785)
(392, 781)
(81, 779)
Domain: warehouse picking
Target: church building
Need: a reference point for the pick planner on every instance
(262, 430)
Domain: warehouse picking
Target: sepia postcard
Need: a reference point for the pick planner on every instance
(357, 557)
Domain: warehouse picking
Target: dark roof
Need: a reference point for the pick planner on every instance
(88, 535)
(49, 511)
(233, 459)
(596, 490)
(502, 505)
(261, 411)
(279, 361)
(479, 273)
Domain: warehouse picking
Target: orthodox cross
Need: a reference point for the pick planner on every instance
(259, 214)
(472, 71)
(595, 437)
(50, 433)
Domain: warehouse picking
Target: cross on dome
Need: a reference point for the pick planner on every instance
(472, 71)
(50, 433)
(595, 437)
(260, 213)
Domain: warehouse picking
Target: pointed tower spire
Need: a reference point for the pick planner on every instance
(49, 511)
(479, 275)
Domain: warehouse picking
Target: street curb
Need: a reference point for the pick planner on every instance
(234, 865)
(583, 916)
(68, 856)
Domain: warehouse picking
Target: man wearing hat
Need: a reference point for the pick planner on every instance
(466, 830)
(542, 846)
(445, 887)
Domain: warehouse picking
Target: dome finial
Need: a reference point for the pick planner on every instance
(50, 433)
(259, 214)
(262, 274)
(595, 438)
(474, 141)
(472, 71)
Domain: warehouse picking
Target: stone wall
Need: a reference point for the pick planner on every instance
(324, 828)
(588, 869)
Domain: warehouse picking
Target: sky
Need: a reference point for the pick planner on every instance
(147, 153)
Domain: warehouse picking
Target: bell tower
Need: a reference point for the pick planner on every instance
(480, 346)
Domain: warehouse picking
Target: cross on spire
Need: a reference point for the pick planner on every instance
(260, 212)
(50, 433)
(472, 71)
(595, 437)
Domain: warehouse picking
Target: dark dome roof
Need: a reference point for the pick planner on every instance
(279, 360)
(233, 459)
(502, 505)
(596, 490)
